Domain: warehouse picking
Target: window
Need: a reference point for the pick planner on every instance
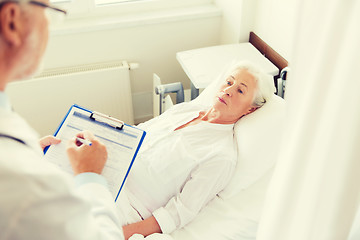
(105, 2)
(91, 8)
(59, 1)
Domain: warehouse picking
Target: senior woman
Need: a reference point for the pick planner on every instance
(189, 155)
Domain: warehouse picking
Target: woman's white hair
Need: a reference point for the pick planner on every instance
(264, 82)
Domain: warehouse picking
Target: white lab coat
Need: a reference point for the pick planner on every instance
(38, 201)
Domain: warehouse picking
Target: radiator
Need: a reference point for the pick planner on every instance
(44, 100)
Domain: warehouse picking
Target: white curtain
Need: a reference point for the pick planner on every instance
(314, 193)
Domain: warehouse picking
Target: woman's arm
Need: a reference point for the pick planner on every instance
(204, 183)
(145, 227)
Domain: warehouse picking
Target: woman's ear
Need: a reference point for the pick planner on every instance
(10, 24)
(252, 109)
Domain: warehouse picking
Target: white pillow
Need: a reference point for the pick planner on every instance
(258, 137)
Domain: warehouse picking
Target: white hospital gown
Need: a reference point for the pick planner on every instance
(178, 172)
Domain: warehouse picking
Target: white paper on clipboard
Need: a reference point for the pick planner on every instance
(122, 145)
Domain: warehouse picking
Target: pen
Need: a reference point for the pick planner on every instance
(84, 141)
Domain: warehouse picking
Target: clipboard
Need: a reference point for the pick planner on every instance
(121, 140)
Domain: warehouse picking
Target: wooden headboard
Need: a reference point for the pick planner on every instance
(268, 52)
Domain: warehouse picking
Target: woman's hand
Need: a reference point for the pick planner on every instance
(85, 158)
(48, 140)
(144, 227)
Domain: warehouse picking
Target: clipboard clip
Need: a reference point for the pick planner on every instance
(113, 122)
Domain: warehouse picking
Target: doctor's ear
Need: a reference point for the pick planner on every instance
(10, 23)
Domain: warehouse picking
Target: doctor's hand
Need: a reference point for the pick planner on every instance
(84, 157)
(48, 140)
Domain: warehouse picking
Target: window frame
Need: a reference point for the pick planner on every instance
(87, 8)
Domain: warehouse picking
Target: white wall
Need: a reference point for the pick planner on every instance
(276, 25)
(152, 45)
(272, 20)
(231, 20)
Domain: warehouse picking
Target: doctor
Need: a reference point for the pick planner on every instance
(37, 200)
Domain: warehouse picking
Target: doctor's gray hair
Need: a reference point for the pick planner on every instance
(16, 1)
(21, 2)
(264, 82)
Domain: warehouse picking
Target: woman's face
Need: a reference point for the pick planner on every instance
(236, 95)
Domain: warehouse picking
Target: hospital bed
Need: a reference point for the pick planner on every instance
(236, 211)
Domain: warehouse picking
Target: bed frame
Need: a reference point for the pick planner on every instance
(268, 52)
(274, 57)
